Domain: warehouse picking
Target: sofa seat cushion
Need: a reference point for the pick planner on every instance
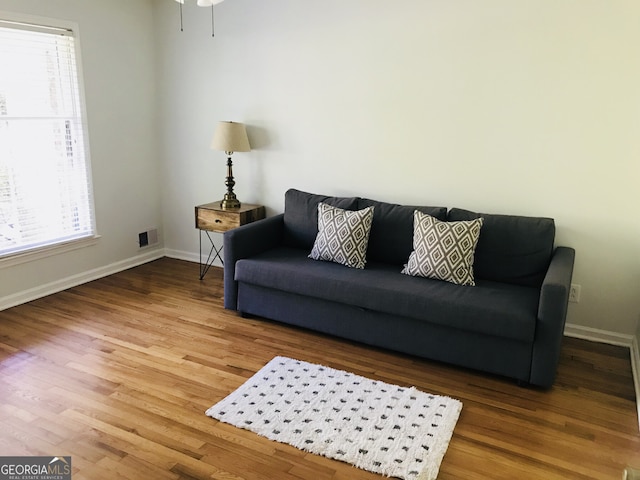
(489, 308)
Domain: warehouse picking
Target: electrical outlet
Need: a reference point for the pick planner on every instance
(574, 293)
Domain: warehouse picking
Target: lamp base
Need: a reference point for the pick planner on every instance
(229, 201)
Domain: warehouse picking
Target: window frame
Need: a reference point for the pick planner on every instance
(48, 25)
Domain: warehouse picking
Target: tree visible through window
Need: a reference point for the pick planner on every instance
(45, 189)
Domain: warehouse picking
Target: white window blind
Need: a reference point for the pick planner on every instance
(45, 188)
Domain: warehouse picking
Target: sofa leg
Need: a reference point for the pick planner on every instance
(523, 384)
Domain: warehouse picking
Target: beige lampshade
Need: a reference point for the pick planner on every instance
(230, 137)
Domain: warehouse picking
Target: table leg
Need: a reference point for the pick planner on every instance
(214, 253)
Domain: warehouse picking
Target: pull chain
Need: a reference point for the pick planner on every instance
(212, 34)
(181, 29)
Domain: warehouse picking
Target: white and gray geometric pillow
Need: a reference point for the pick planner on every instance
(343, 235)
(443, 250)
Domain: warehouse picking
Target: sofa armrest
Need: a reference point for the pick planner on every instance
(552, 313)
(246, 241)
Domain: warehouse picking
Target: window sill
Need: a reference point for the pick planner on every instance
(48, 251)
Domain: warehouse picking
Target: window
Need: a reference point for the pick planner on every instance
(45, 188)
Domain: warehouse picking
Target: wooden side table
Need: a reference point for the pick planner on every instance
(211, 217)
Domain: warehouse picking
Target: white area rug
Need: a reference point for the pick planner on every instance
(396, 431)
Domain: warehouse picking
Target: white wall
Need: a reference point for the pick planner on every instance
(118, 59)
(529, 107)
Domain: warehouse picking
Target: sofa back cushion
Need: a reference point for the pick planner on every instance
(511, 249)
(391, 238)
(301, 215)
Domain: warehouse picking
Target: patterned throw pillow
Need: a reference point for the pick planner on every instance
(443, 250)
(343, 235)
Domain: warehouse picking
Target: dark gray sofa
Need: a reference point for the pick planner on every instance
(510, 323)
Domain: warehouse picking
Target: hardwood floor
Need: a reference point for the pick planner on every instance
(118, 373)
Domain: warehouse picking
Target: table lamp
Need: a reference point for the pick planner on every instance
(230, 137)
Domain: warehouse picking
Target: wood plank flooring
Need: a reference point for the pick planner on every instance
(118, 373)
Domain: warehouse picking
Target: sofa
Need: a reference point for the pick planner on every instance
(508, 320)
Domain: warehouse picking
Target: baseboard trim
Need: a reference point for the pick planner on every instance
(597, 335)
(75, 280)
(612, 338)
(190, 257)
(182, 255)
